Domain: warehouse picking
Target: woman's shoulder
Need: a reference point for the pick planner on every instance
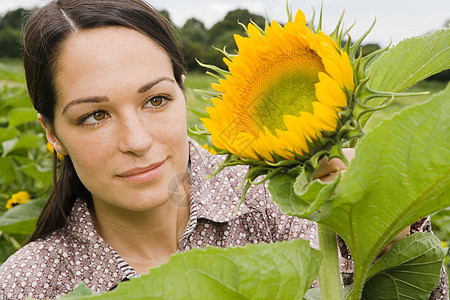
(34, 269)
(199, 157)
(35, 253)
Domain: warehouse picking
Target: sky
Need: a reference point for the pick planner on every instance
(395, 19)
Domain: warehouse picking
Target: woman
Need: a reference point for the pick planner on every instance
(107, 80)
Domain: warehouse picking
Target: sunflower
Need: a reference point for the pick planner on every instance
(284, 90)
(291, 96)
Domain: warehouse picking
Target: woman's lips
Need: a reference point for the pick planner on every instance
(143, 175)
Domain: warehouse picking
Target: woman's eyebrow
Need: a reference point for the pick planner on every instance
(85, 100)
(141, 90)
(152, 83)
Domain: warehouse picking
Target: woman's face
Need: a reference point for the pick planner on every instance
(120, 116)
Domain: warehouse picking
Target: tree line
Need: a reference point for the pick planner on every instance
(195, 39)
(11, 33)
(197, 42)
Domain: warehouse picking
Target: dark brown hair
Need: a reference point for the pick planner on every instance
(45, 32)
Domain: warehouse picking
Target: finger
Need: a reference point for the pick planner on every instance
(327, 167)
(332, 176)
(349, 153)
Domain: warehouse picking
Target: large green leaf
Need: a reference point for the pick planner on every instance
(313, 294)
(15, 96)
(401, 172)
(80, 290)
(8, 133)
(411, 61)
(411, 269)
(7, 171)
(22, 218)
(408, 63)
(283, 270)
(6, 250)
(36, 172)
(20, 115)
(24, 142)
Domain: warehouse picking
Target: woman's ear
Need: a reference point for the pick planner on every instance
(51, 137)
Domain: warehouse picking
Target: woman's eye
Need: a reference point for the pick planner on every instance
(157, 101)
(93, 118)
(99, 115)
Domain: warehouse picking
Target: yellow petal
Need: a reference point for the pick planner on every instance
(284, 89)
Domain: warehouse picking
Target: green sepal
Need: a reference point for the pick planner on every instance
(216, 69)
(208, 95)
(336, 152)
(198, 131)
(300, 197)
(354, 48)
(224, 50)
(259, 28)
(336, 35)
(301, 182)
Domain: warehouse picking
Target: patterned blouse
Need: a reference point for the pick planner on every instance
(53, 266)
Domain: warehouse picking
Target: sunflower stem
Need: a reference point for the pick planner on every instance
(329, 273)
(357, 289)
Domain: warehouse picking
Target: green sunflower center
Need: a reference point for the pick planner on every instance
(285, 86)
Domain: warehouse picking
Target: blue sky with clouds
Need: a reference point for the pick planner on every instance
(396, 19)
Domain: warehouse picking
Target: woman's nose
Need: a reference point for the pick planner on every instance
(135, 137)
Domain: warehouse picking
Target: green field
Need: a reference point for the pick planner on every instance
(195, 101)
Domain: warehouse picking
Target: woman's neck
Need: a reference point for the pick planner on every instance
(144, 239)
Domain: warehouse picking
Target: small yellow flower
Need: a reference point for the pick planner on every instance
(18, 198)
(443, 244)
(209, 148)
(283, 91)
(51, 149)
